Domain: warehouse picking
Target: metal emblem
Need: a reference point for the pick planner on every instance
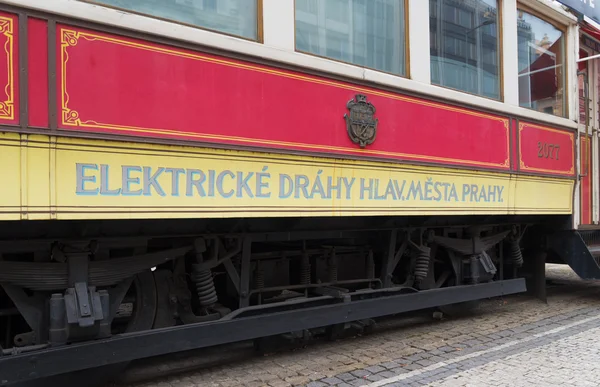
(361, 124)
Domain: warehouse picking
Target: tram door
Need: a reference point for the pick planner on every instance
(588, 128)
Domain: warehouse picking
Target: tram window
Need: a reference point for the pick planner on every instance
(464, 46)
(234, 17)
(541, 65)
(368, 33)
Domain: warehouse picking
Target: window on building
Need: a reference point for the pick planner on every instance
(541, 65)
(464, 45)
(368, 33)
(235, 17)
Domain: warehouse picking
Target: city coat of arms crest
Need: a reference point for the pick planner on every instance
(360, 122)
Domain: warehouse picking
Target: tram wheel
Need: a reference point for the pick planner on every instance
(143, 312)
(445, 276)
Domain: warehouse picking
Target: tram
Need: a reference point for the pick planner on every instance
(187, 173)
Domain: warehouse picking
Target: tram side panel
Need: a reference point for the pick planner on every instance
(238, 197)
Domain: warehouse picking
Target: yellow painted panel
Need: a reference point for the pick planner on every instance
(38, 176)
(101, 179)
(10, 189)
(541, 194)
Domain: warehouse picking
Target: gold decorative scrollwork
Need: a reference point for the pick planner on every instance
(7, 108)
(70, 38)
(71, 117)
(6, 26)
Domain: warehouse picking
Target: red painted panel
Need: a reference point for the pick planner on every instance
(9, 69)
(546, 150)
(586, 181)
(37, 34)
(116, 85)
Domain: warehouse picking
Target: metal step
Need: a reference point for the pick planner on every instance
(573, 250)
(595, 251)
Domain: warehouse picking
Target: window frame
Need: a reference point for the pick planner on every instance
(565, 35)
(500, 60)
(259, 20)
(406, 74)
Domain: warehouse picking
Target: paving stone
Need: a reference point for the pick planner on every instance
(332, 381)
(375, 369)
(346, 377)
(447, 349)
(400, 370)
(297, 380)
(360, 373)
(375, 378)
(390, 364)
(424, 362)
(436, 359)
(414, 357)
(436, 352)
(387, 374)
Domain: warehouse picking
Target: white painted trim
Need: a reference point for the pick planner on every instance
(591, 22)
(121, 19)
(550, 9)
(278, 31)
(418, 33)
(572, 42)
(510, 62)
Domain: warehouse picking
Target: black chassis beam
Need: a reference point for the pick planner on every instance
(131, 346)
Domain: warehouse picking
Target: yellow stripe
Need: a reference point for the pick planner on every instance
(247, 184)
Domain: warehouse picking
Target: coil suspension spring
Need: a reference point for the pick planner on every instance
(370, 265)
(205, 286)
(515, 251)
(259, 277)
(422, 262)
(474, 259)
(305, 270)
(333, 267)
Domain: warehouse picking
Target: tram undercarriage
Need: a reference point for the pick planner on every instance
(111, 293)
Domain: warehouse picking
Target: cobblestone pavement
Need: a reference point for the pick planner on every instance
(516, 341)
